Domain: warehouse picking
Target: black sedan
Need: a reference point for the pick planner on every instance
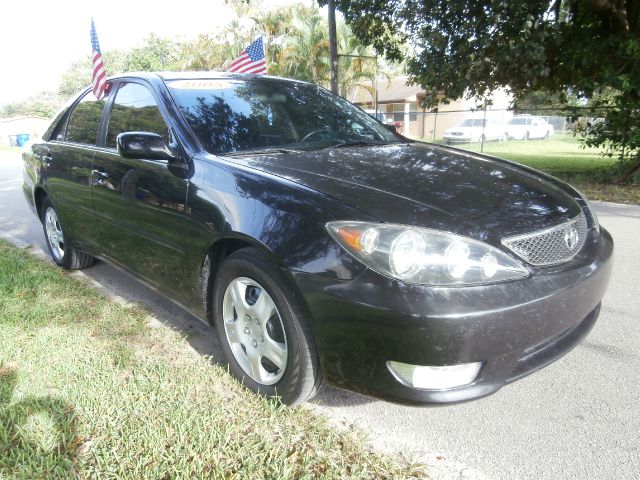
(322, 246)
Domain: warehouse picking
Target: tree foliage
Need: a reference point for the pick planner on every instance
(42, 105)
(296, 43)
(156, 53)
(453, 47)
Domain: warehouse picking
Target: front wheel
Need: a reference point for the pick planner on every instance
(60, 249)
(263, 330)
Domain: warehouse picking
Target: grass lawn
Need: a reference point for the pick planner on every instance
(89, 390)
(564, 157)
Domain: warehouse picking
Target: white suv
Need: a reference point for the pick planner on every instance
(524, 127)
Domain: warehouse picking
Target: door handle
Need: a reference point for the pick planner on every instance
(47, 160)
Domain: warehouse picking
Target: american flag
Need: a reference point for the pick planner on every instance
(99, 80)
(252, 60)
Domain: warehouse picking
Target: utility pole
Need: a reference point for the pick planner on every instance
(333, 46)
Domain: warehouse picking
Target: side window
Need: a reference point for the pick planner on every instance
(135, 110)
(84, 120)
(58, 132)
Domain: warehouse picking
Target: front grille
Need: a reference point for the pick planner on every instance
(550, 246)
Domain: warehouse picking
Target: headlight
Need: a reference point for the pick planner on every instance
(425, 256)
(595, 223)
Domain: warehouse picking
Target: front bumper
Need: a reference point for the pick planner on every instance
(514, 328)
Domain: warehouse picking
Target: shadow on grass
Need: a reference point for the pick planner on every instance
(37, 434)
(202, 338)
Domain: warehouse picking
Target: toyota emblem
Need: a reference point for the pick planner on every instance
(571, 238)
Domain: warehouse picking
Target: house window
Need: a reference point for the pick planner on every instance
(398, 112)
(413, 107)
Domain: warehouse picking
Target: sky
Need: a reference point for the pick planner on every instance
(39, 39)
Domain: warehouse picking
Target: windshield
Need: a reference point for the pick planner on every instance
(231, 116)
(472, 122)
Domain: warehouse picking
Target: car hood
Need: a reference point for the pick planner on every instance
(429, 186)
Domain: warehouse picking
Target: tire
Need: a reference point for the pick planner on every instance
(546, 135)
(273, 353)
(60, 249)
(526, 135)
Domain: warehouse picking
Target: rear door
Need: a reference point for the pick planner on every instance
(68, 169)
(140, 204)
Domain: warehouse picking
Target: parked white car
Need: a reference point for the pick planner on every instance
(474, 129)
(524, 127)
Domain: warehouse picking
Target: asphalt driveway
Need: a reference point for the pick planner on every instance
(578, 418)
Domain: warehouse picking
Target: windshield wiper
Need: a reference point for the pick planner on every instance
(357, 143)
(266, 151)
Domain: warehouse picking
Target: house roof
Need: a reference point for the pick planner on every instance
(395, 90)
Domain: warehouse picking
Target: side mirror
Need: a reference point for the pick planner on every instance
(144, 145)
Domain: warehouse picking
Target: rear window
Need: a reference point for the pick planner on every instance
(85, 119)
(519, 121)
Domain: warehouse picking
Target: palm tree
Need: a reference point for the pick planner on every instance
(354, 72)
(296, 43)
(305, 50)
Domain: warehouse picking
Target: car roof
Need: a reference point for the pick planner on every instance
(199, 75)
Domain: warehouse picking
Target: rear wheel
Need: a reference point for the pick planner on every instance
(60, 249)
(263, 330)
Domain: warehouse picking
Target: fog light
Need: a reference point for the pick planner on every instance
(435, 378)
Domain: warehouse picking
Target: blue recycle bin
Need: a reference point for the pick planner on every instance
(22, 138)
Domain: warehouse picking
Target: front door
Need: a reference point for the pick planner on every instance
(140, 204)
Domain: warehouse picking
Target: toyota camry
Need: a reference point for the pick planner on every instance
(321, 246)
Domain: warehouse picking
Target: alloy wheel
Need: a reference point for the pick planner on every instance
(254, 330)
(55, 236)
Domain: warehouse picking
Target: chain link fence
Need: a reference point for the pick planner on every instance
(492, 131)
